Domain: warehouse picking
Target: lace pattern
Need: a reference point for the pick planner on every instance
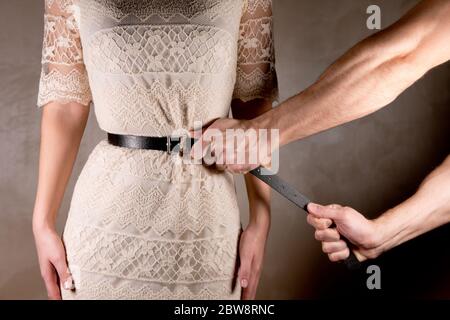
(256, 76)
(158, 239)
(112, 194)
(252, 6)
(256, 84)
(166, 10)
(64, 6)
(168, 48)
(101, 287)
(143, 210)
(64, 88)
(61, 41)
(63, 78)
(130, 257)
(159, 107)
(256, 44)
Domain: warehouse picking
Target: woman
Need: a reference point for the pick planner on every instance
(140, 225)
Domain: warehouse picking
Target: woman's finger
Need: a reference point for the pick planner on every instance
(244, 270)
(64, 274)
(51, 281)
(318, 223)
(254, 281)
(336, 246)
(327, 235)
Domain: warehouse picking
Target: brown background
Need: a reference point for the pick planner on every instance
(370, 164)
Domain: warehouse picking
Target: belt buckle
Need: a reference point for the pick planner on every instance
(178, 148)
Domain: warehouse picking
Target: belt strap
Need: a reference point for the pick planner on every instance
(282, 187)
(168, 144)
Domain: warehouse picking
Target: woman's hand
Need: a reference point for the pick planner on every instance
(52, 263)
(251, 250)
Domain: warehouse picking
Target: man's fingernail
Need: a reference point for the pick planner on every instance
(244, 283)
(69, 284)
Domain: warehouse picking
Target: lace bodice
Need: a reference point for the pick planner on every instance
(154, 66)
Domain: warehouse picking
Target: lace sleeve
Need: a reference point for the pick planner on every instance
(256, 76)
(63, 77)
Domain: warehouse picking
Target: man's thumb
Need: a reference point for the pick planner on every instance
(324, 212)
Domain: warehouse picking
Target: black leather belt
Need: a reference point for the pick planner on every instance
(180, 144)
(167, 144)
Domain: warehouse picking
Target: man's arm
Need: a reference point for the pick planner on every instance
(369, 76)
(427, 209)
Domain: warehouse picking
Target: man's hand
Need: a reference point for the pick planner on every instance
(233, 145)
(364, 234)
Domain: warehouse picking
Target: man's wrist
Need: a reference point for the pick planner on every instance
(264, 121)
(382, 233)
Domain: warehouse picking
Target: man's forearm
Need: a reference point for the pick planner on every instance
(369, 76)
(429, 208)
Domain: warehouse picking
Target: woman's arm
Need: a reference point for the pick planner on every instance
(253, 239)
(427, 209)
(61, 132)
(64, 95)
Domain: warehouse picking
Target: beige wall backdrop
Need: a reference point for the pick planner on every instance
(370, 164)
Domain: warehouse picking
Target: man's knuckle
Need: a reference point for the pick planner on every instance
(345, 253)
(346, 211)
(323, 224)
(309, 218)
(317, 235)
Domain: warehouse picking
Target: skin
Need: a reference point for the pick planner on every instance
(368, 77)
(61, 132)
(253, 239)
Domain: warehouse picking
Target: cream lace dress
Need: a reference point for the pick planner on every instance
(141, 225)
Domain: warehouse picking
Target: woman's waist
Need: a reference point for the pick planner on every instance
(152, 165)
